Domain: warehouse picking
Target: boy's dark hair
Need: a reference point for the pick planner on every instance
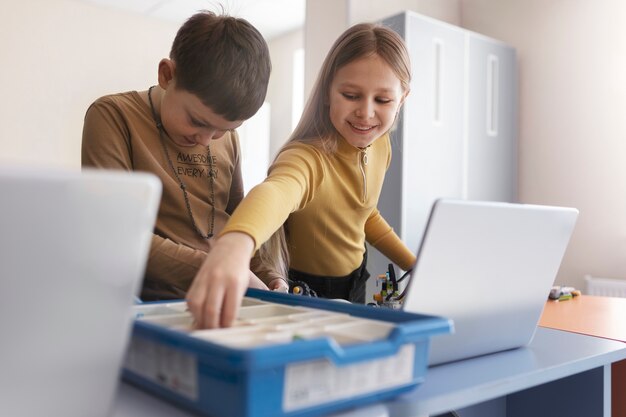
(224, 61)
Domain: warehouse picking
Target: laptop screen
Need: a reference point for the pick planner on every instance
(489, 267)
(74, 247)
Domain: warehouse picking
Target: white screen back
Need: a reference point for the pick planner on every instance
(73, 248)
(489, 267)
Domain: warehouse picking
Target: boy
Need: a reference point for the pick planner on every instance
(182, 130)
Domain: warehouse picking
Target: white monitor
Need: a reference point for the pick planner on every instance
(73, 249)
(489, 267)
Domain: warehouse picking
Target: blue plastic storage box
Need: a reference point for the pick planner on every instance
(286, 355)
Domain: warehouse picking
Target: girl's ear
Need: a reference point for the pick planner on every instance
(406, 93)
(395, 120)
(167, 71)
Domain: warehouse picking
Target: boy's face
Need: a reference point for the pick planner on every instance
(364, 98)
(188, 121)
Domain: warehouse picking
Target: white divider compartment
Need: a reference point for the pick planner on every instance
(247, 301)
(149, 310)
(181, 321)
(268, 310)
(261, 323)
(366, 330)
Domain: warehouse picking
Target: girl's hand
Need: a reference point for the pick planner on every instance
(218, 288)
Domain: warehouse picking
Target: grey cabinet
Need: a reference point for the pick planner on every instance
(457, 133)
(491, 123)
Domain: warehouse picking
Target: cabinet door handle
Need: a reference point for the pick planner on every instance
(493, 68)
(437, 80)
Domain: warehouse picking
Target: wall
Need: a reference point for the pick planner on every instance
(279, 92)
(572, 147)
(325, 20)
(374, 10)
(336, 16)
(58, 56)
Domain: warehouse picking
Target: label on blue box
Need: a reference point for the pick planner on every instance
(170, 368)
(318, 382)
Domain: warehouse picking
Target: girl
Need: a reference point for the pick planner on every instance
(324, 184)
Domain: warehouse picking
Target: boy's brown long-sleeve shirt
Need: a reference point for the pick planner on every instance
(120, 133)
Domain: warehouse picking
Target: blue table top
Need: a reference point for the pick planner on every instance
(551, 355)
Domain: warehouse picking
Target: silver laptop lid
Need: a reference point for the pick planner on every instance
(489, 267)
(73, 248)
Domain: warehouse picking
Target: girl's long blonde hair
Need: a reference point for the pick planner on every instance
(315, 126)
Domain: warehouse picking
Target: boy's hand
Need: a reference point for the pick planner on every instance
(255, 282)
(218, 288)
(279, 285)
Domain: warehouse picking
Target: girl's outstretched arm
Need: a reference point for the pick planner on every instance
(218, 288)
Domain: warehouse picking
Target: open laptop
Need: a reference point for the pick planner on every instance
(489, 267)
(73, 248)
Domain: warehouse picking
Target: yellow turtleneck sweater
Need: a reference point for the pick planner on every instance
(329, 203)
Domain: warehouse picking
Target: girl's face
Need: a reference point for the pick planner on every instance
(364, 98)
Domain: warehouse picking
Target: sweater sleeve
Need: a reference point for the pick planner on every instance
(106, 139)
(173, 263)
(382, 236)
(291, 183)
(106, 144)
(235, 194)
